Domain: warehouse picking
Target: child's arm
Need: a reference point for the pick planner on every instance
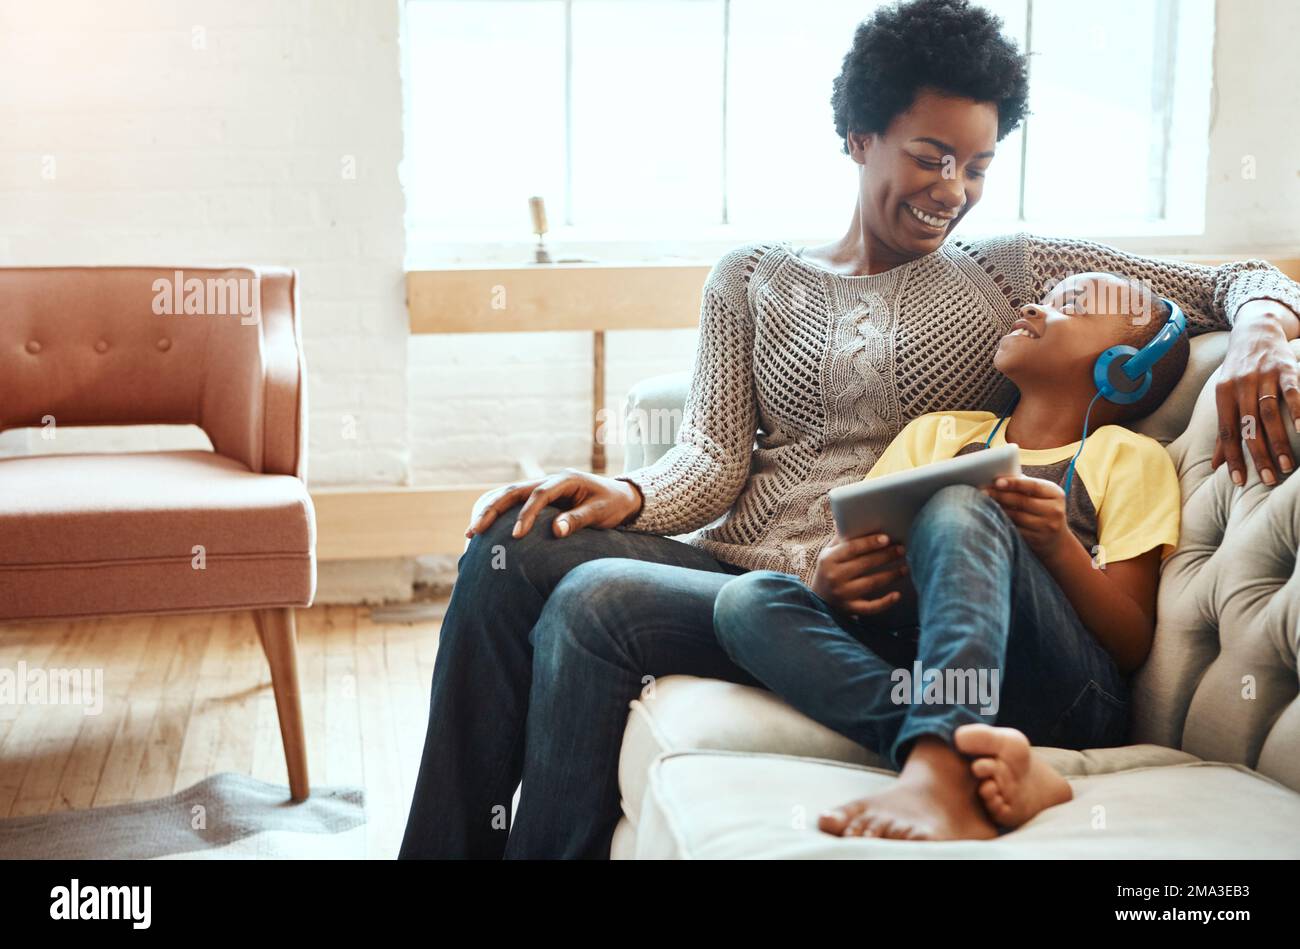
(1117, 604)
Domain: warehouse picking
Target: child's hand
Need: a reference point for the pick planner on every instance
(848, 572)
(1037, 508)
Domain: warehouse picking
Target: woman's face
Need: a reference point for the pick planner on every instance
(929, 164)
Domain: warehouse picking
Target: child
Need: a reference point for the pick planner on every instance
(1034, 597)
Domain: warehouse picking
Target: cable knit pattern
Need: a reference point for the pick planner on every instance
(803, 376)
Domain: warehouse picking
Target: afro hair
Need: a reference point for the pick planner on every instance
(952, 46)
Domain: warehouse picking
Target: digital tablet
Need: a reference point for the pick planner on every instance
(889, 503)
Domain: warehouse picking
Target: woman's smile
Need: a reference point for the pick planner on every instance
(928, 221)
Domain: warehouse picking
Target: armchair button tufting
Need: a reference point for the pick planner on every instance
(101, 346)
(164, 344)
(33, 347)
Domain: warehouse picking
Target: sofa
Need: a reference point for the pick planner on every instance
(710, 769)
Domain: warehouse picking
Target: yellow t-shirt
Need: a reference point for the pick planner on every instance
(1125, 497)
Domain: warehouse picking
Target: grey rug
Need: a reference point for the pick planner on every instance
(216, 812)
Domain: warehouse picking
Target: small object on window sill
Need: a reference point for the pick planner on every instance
(538, 208)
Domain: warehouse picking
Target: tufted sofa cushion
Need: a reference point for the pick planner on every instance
(724, 805)
(1221, 679)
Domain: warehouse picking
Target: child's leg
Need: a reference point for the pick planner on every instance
(1005, 640)
(782, 633)
(1007, 647)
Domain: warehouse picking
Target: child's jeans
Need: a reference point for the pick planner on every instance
(998, 642)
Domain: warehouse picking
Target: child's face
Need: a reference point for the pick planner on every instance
(1059, 340)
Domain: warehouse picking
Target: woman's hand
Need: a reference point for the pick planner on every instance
(595, 501)
(849, 571)
(1037, 507)
(1258, 374)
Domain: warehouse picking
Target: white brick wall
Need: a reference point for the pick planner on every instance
(154, 131)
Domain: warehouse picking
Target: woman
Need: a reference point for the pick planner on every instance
(563, 612)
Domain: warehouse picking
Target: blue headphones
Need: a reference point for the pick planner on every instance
(1122, 375)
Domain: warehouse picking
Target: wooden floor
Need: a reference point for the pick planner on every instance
(186, 697)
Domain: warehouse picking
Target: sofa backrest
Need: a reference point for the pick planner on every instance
(1221, 679)
(148, 345)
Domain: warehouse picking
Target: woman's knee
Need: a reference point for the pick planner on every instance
(597, 601)
(497, 539)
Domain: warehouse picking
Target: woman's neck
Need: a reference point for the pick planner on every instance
(858, 252)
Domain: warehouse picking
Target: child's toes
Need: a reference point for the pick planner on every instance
(982, 768)
(1004, 775)
(995, 801)
(858, 826)
(899, 830)
(880, 827)
(989, 791)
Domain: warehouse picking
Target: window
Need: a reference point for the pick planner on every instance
(644, 120)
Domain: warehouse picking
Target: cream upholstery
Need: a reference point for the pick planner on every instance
(1221, 679)
(717, 805)
(711, 769)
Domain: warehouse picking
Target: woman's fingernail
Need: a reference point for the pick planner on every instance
(1268, 476)
(1284, 463)
(1296, 423)
(564, 526)
(514, 532)
(881, 539)
(1237, 478)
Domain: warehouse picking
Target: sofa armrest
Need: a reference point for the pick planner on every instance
(652, 415)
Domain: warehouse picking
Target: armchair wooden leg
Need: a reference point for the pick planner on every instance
(280, 643)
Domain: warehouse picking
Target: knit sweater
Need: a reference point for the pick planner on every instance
(803, 376)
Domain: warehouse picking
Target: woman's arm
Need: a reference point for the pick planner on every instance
(1210, 296)
(703, 473)
(698, 478)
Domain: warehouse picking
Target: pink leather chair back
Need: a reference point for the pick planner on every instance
(220, 349)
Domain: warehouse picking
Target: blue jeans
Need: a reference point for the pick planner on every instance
(545, 642)
(993, 626)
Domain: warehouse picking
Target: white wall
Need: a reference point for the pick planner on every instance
(222, 132)
(1257, 117)
(226, 132)
(239, 131)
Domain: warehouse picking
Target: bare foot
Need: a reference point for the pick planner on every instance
(1015, 783)
(933, 799)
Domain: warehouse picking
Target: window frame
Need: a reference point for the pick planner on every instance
(1186, 122)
